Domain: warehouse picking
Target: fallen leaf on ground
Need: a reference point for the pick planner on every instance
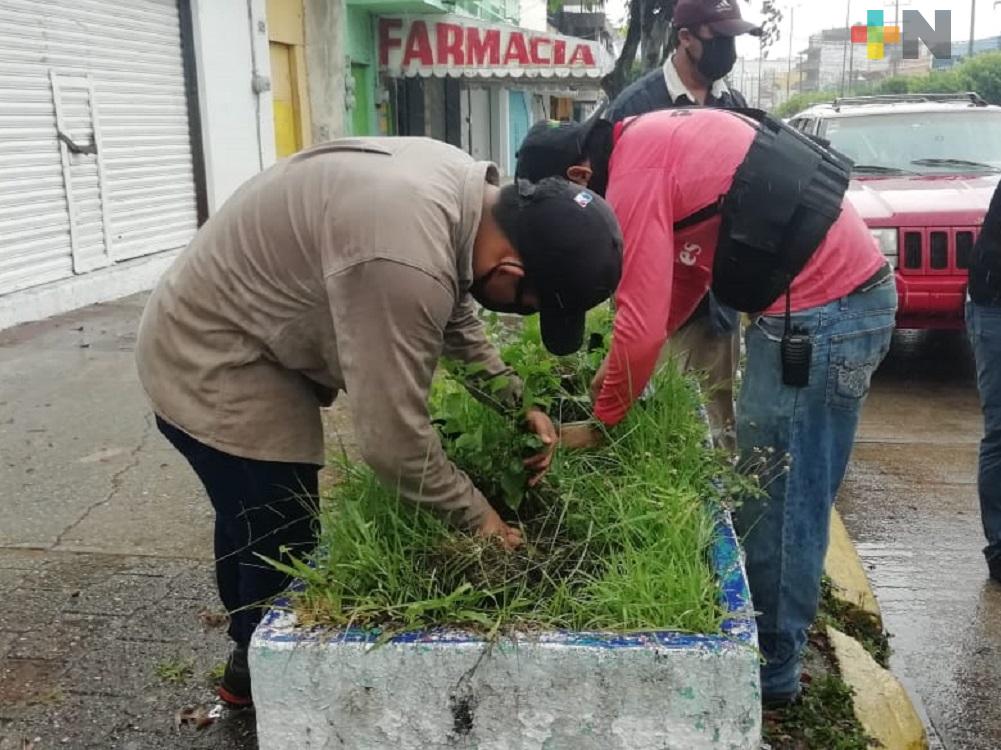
(213, 620)
(198, 717)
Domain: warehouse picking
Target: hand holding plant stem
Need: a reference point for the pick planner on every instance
(599, 380)
(493, 526)
(539, 423)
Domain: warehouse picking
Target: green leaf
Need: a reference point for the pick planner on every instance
(471, 440)
(514, 489)
(498, 384)
(470, 615)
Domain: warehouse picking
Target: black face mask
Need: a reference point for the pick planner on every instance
(718, 56)
(479, 287)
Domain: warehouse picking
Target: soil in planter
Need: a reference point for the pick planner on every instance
(616, 539)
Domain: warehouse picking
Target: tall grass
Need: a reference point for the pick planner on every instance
(616, 539)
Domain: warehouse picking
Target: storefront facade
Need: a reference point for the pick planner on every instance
(470, 76)
(480, 85)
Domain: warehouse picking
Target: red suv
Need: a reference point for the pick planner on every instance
(926, 166)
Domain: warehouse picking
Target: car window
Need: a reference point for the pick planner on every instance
(803, 124)
(926, 143)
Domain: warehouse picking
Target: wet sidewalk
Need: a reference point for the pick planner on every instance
(910, 504)
(109, 616)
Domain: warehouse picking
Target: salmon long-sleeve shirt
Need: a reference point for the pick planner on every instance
(665, 166)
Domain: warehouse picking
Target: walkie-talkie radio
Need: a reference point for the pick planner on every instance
(797, 350)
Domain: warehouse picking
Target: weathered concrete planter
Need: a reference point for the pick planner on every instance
(561, 690)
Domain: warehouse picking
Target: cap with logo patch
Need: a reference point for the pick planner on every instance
(571, 246)
(721, 16)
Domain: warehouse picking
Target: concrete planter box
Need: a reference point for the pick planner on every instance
(560, 690)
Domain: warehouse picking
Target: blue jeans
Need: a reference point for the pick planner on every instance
(984, 327)
(725, 320)
(810, 431)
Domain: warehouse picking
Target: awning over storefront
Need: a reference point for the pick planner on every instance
(439, 45)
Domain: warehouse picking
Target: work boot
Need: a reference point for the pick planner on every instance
(779, 701)
(234, 688)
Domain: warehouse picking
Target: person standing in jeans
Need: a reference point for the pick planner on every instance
(353, 266)
(983, 323)
(707, 198)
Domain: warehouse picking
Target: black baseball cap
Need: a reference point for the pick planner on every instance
(571, 246)
(722, 16)
(550, 148)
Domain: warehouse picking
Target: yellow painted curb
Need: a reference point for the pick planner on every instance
(844, 568)
(881, 703)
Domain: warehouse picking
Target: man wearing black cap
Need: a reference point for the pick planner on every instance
(703, 39)
(353, 266)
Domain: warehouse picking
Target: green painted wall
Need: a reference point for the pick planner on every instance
(361, 50)
(361, 120)
(361, 35)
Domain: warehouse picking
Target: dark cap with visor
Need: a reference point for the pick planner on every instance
(571, 246)
(550, 148)
(721, 16)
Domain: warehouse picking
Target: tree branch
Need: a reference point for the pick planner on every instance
(615, 81)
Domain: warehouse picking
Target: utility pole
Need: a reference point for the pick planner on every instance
(848, 39)
(895, 62)
(973, 20)
(792, 15)
(851, 68)
(761, 61)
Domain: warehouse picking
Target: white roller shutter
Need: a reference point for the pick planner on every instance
(95, 148)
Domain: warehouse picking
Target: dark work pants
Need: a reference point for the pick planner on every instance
(261, 507)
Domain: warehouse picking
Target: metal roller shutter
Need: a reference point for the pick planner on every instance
(95, 146)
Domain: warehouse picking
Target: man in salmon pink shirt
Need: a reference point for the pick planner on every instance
(664, 167)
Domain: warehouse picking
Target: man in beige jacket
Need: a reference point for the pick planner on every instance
(353, 266)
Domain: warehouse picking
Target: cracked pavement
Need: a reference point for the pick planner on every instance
(105, 551)
(79, 451)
